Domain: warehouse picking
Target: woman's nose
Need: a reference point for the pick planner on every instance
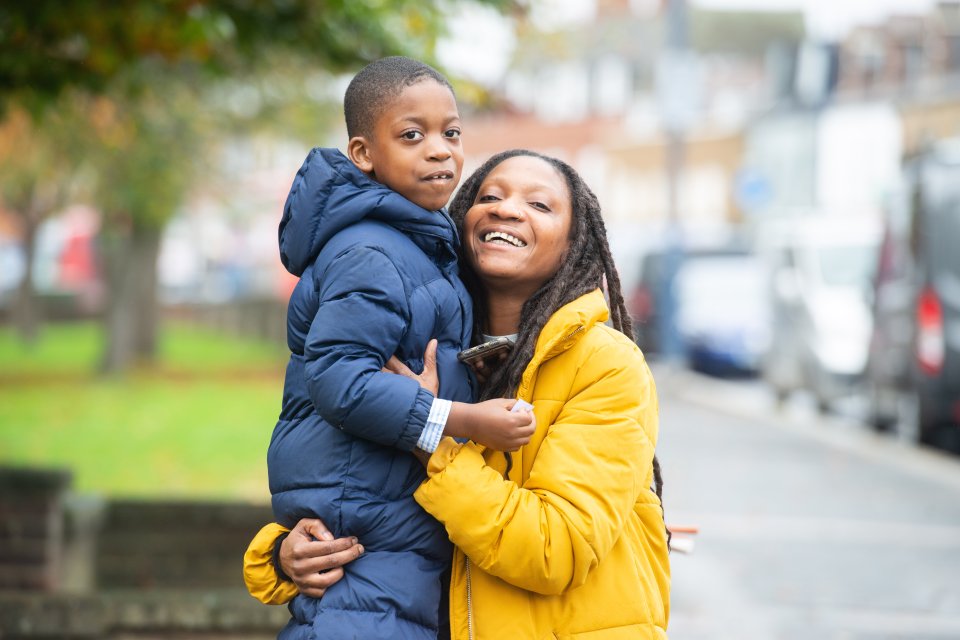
(509, 209)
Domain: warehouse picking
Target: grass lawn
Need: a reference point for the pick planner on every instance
(196, 426)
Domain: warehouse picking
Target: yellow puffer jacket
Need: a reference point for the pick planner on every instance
(572, 544)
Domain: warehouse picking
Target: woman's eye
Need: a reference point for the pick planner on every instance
(411, 135)
(540, 206)
(452, 133)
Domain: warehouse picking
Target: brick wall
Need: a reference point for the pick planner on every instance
(88, 567)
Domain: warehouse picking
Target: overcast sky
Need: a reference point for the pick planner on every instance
(481, 42)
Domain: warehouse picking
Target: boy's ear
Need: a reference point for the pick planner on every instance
(358, 150)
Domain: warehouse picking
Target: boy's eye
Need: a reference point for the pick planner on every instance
(487, 198)
(411, 135)
(452, 133)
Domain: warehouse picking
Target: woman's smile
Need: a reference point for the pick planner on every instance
(518, 229)
(503, 238)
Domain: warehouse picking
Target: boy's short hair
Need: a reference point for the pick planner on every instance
(372, 89)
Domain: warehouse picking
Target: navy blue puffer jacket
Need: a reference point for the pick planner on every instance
(378, 277)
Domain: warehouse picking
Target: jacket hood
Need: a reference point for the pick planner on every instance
(330, 193)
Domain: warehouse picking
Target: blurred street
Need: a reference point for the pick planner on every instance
(810, 527)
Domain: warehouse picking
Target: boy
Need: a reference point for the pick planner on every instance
(376, 258)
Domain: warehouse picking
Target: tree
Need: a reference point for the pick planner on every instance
(143, 155)
(47, 45)
(37, 180)
(142, 70)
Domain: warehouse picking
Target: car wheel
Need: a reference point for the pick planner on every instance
(882, 423)
(908, 418)
(935, 433)
(781, 395)
(882, 416)
(823, 406)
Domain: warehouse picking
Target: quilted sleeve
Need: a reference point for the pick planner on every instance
(363, 313)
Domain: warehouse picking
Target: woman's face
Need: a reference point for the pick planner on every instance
(518, 230)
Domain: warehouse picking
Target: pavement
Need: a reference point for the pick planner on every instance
(810, 526)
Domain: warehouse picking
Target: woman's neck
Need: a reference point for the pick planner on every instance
(503, 314)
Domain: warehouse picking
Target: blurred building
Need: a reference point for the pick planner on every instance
(903, 52)
(846, 114)
(222, 244)
(603, 95)
(769, 120)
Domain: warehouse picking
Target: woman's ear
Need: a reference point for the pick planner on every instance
(358, 150)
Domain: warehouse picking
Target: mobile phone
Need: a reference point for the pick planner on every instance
(485, 350)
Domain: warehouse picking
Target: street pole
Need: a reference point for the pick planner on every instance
(677, 88)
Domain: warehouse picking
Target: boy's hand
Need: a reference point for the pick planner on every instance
(429, 379)
(491, 423)
(313, 559)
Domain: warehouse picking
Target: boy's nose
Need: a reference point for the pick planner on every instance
(438, 150)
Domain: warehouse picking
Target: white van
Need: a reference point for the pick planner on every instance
(820, 272)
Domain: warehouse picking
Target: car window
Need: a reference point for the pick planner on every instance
(943, 233)
(847, 266)
(718, 284)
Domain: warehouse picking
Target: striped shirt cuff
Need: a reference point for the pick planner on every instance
(436, 423)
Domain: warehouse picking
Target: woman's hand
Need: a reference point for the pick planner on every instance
(485, 368)
(422, 456)
(429, 379)
(313, 559)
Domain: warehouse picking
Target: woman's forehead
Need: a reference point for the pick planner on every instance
(527, 173)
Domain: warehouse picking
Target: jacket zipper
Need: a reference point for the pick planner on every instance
(469, 600)
(466, 560)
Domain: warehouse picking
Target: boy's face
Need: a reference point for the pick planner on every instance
(415, 146)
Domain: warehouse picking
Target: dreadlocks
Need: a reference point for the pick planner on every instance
(585, 267)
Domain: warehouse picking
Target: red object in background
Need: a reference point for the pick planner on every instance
(286, 282)
(641, 303)
(930, 344)
(77, 265)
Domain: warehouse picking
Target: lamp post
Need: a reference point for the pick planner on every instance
(677, 89)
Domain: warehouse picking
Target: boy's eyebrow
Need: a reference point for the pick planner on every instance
(422, 121)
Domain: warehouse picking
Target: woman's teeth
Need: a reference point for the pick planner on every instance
(504, 237)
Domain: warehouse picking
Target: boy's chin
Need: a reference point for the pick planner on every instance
(432, 204)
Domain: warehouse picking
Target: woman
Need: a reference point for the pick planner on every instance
(565, 537)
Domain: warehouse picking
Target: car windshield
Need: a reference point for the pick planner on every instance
(724, 290)
(846, 266)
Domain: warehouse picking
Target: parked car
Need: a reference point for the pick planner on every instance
(820, 270)
(647, 302)
(913, 373)
(722, 313)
